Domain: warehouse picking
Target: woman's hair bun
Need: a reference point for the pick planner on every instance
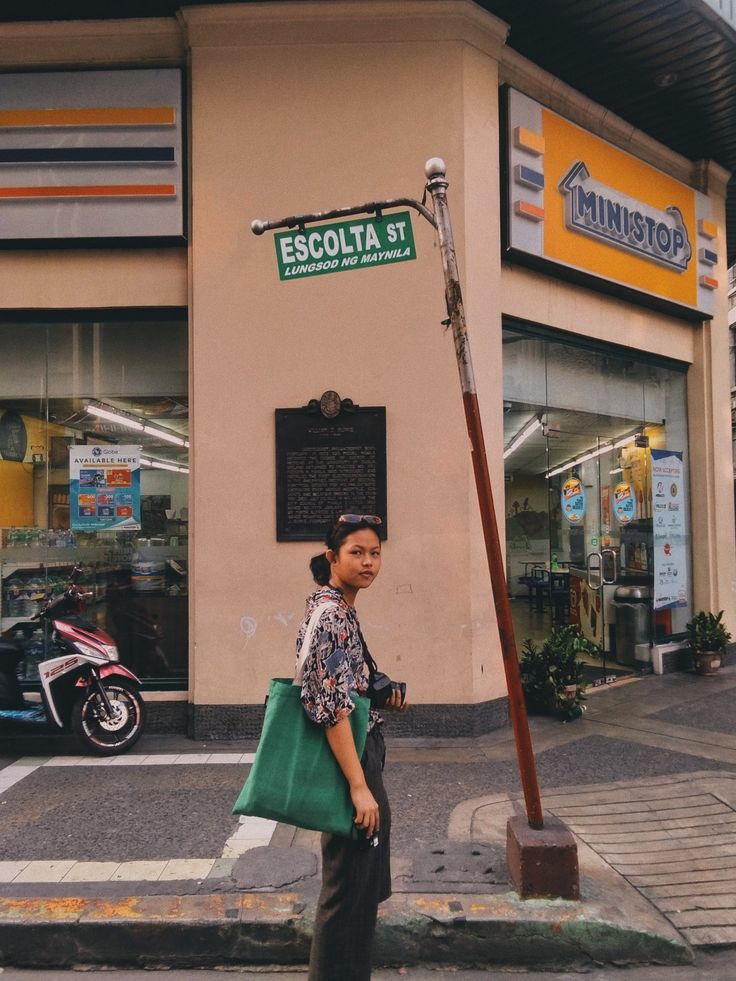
(320, 569)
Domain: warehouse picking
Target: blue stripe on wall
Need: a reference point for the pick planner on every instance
(100, 154)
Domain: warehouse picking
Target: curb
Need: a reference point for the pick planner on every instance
(275, 928)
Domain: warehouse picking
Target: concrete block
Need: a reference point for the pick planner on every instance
(139, 871)
(187, 868)
(91, 872)
(9, 870)
(542, 862)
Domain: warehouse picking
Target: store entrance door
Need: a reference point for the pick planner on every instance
(580, 431)
(601, 524)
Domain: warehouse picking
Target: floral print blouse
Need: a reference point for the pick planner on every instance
(335, 665)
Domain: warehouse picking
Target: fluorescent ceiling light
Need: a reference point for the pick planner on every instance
(113, 416)
(167, 436)
(529, 427)
(132, 422)
(150, 461)
(592, 454)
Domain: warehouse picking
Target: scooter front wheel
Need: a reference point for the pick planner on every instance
(106, 733)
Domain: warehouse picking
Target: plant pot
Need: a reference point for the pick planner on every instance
(707, 662)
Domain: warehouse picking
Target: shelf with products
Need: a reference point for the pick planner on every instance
(35, 564)
(29, 578)
(7, 623)
(636, 547)
(159, 570)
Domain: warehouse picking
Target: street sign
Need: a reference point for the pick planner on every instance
(354, 244)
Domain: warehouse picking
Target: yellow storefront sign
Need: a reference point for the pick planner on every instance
(579, 202)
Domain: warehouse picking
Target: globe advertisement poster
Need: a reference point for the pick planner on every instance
(105, 488)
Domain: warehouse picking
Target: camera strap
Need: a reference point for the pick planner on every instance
(372, 666)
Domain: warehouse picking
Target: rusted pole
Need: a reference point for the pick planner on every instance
(437, 187)
(260, 225)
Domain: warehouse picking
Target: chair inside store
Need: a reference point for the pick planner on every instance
(536, 579)
(559, 591)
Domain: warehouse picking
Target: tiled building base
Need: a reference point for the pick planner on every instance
(166, 717)
(448, 721)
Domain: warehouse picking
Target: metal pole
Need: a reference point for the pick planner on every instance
(437, 187)
(260, 225)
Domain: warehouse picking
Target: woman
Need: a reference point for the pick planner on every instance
(356, 873)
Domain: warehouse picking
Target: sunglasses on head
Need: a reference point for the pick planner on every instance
(354, 519)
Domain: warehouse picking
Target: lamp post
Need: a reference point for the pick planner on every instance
(437, 187)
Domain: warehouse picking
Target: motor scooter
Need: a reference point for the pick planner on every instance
(84, 688)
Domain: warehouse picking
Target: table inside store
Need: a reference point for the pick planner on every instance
(552, 585)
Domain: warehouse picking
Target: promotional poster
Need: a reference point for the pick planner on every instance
(105, 488)
(670, 539)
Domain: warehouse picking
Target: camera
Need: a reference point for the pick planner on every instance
(381, 689)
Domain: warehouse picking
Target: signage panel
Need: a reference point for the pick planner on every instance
(624, 503)
(355, 244)
(579, 202)
(670, 533)
(326, 466)
(572, 500)
(105, 488)
(91, 154)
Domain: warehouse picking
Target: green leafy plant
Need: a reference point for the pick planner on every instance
(552, 675)
(707, 632)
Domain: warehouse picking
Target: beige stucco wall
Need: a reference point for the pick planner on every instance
(83, 278)
(305, 106)
(357, 125)
(711, 462)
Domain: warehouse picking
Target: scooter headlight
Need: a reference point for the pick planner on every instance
(110, 651)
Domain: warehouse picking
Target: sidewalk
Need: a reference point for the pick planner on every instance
(137, 860)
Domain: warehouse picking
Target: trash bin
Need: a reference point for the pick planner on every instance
(632, 621)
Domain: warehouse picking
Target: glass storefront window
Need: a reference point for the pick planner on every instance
(597, 492)
(71, 387)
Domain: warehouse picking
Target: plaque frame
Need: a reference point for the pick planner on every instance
(307, 436)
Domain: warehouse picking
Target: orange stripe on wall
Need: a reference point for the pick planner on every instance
(91, 191)
(528, 210)
(527, 139)
(122, 116)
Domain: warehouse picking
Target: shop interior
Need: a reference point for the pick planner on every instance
(584, 525)
(97, 383)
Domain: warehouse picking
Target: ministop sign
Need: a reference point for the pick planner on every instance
(345, 245)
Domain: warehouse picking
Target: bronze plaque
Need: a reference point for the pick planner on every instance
(326, 467)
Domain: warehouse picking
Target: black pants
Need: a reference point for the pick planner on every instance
(355, 879)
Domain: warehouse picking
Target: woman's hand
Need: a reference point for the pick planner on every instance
(394, 703)
(367, 816)
(342, 744)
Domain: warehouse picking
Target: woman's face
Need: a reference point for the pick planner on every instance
(357, 562)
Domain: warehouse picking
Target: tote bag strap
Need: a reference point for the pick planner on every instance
(307, 642)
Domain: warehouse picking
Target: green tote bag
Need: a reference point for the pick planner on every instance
(295, 779)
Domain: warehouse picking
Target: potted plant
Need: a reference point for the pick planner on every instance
(708, 640)
(552, 675)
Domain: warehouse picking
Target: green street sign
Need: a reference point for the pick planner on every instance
(356, 244)
(594, 542)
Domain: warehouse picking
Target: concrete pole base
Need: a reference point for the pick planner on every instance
(542, 863)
